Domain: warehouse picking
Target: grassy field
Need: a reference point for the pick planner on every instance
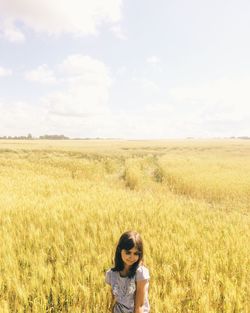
(64, 204)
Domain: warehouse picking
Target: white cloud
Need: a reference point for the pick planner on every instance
(149, 85)
(86, 69)
(154, 63)
(20, 118)
(121, 71)
(79, 106)
(222, 99)
(87, 88)
(5, 72)
(41, 74)
(69, 16)
(146, 84)
(214, 109)
(9, 31)
(218, 108)
(153, 60)
(116, 29)
(82, 109)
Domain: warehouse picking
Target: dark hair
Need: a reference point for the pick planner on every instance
(127, 241)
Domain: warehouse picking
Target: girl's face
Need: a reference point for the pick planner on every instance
(129, 257)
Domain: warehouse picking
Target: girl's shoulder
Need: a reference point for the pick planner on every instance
(108, 276)
(142, 273)
(109, 270)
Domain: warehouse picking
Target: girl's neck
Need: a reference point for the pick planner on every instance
(125, 270)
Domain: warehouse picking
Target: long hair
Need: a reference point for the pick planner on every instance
(127, 241)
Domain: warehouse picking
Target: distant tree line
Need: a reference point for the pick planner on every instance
(62, 137)
(30, 137)
(242, 137)
(57, 137)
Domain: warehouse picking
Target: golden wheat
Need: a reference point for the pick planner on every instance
(63, 206)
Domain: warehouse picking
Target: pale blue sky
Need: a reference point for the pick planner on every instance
(127, 69)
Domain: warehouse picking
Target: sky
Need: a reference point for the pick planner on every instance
(131, 69)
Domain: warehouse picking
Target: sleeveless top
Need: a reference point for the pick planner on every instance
(123, 288)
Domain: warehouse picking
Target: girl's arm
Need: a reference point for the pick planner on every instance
(141, 287)
(112, 301)
(108, 281)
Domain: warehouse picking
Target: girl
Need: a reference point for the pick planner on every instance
(129, 279)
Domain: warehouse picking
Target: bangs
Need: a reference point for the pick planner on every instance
(129, 244)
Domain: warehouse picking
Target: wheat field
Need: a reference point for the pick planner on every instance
(64, 204)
